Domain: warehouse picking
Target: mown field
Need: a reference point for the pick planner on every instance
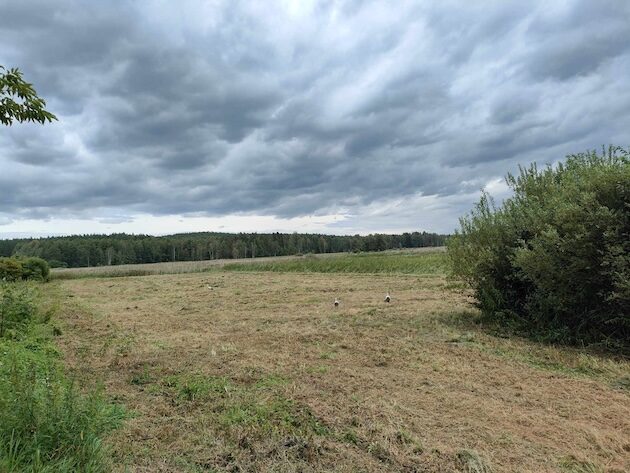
(252, 368)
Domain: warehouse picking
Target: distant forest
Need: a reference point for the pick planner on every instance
(101, 250)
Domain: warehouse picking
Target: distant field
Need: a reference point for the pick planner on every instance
(422, 260)
(427, 262)
(253, 369)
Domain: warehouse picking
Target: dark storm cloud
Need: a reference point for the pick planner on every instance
(579, 41)
(290, 109)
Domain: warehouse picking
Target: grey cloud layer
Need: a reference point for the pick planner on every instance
(247, 107)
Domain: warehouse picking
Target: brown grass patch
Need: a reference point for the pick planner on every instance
(262, 373)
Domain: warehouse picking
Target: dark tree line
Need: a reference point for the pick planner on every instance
(101, 250)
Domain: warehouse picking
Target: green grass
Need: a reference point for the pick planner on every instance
(272, 416)
(386, 262)
(192, 387)
(427, 261)
(260, 405)
(46, 424)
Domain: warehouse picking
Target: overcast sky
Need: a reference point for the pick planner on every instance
(326, 116)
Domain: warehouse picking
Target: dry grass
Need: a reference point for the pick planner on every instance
(149, 269)
(262, 373)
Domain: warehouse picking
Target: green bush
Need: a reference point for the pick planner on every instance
(31, 268)
(10, 269)
(556, 255)
(36, 269)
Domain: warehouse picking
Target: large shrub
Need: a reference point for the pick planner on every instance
(36, 269)
(556, 255)
(31, 268)
(10, 269)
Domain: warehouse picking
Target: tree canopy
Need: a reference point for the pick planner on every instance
(19, 100)
(97, 250)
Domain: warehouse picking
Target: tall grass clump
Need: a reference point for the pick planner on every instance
(16, 310)
(555, 257)
(46, 423)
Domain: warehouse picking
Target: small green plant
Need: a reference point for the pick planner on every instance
(271, 382)
(350, 436)
(142, 378)
(197, 387)
(318, 369)
(273, 415)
